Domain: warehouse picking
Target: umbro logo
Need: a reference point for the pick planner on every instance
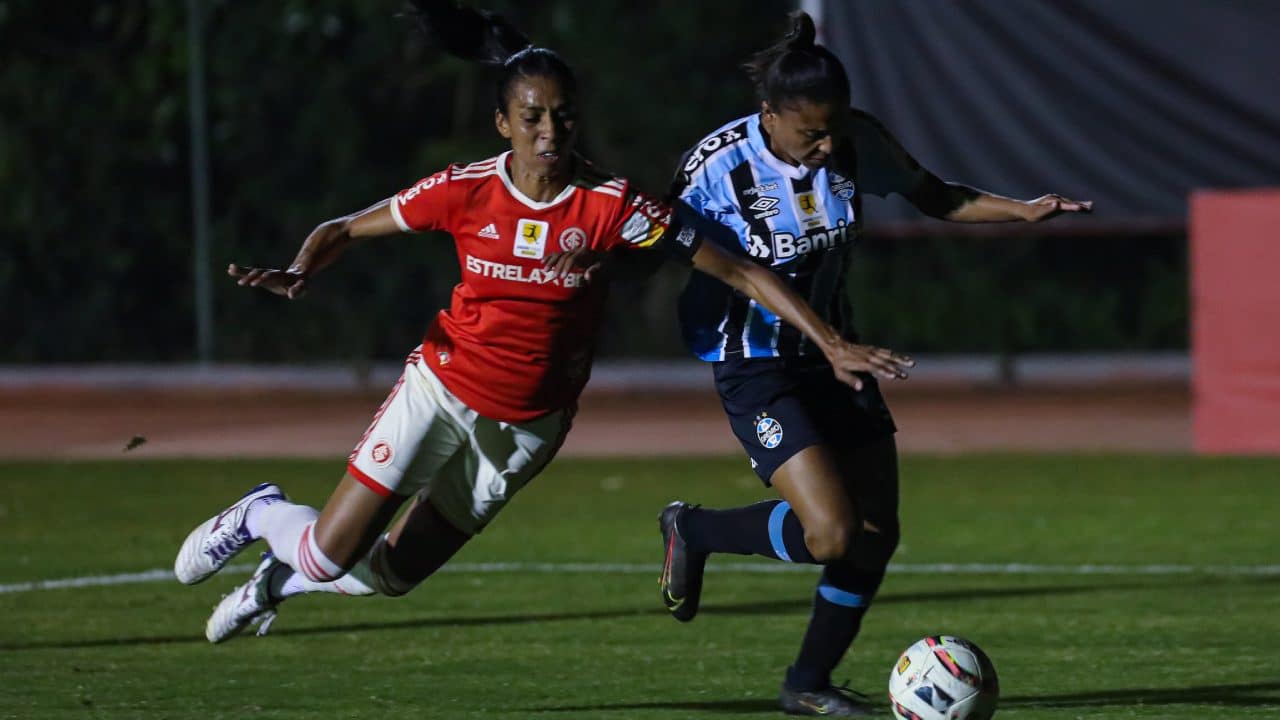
(490, 231)
(764, 207)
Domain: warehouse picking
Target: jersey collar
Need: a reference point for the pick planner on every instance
(525, 199)
(755, 133)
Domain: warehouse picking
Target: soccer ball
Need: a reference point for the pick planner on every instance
(943, 678)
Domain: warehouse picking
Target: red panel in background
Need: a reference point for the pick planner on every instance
(1235, 321)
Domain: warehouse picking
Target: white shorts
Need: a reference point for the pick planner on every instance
(426, 441)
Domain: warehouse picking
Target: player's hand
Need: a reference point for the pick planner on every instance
(1048, 206)
(848, 359)
(289, 283)
(562, 263)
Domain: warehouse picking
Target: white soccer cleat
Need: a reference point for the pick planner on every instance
(248, 604)
(218, 539)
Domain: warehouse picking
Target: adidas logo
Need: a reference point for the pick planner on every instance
(490, 232)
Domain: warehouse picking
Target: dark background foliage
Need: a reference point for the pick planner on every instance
(321, 107)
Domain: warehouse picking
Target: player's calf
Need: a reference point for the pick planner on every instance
(769, 529)
(373, 575)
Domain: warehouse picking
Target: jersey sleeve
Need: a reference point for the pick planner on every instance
(646, 223)
(700, 193)
(426, 205)
(884, 166)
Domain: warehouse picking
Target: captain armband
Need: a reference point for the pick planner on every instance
(687, 231)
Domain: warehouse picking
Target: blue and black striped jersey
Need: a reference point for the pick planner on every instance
(799, 222)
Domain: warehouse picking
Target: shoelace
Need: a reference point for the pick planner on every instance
(218, 548)
(848, 693)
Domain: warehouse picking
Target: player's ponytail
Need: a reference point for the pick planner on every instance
(467, 33)
(486, 38)
(803, 34)
(797, 67)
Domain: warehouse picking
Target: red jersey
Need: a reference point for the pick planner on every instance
(517, 343)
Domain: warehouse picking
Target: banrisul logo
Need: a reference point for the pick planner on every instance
(783, 246)
(768, 431)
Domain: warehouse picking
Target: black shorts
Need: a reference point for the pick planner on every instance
(780, 406)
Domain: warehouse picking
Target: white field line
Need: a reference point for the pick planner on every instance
(163, 575)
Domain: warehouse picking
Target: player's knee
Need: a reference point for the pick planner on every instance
(382, 571)
(830, 541)
(876, 544)
(890, 535)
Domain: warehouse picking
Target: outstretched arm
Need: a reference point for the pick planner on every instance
(765, 288)
(960, 203)
(329, 240)
(886, 167)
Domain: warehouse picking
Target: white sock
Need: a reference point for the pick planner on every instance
(253, 515)
(289, 529)
(311, 560)
(296, 585)
(348, 584)
(370, 576)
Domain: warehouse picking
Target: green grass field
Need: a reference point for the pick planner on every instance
(1191, 641)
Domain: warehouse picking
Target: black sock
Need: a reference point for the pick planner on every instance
(843, 596)
(767, 528)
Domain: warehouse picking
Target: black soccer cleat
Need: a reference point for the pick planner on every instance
(681, 579)
(831, 702)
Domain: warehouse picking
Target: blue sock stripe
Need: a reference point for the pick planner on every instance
(775, 530)
(836, 596)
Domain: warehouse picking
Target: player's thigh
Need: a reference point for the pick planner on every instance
(767, 413)
(779, 423)
(419, 427)
(422, 540)
(870, 472)
(413, 433)
(499, 460)
(858, 427)
(812, 483)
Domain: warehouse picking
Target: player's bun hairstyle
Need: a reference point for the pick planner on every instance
(798, 68)
(483, 37)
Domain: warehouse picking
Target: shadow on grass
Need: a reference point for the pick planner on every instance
(738, 707)
(783, 606)
(1241, 695)
(771, 607)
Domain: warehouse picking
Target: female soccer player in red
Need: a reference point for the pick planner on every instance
(788, 181)
(487, 398)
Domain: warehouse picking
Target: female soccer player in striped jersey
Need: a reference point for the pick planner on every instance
(788, 182)
(487, 398)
